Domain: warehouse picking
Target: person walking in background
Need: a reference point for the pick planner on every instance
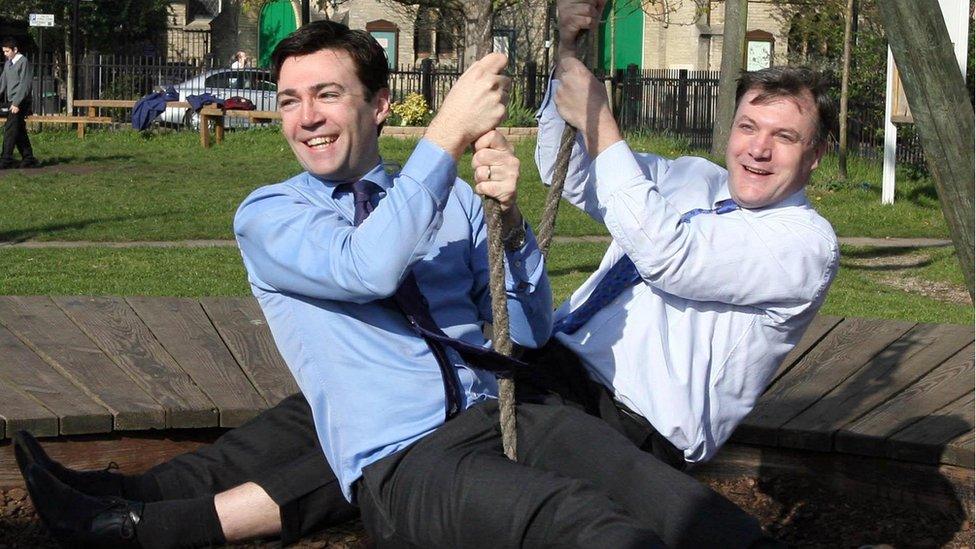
(15, 85)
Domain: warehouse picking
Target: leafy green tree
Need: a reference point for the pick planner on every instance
(816, 38)
(113, 26)
(104, 25)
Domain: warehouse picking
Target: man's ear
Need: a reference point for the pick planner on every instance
(381, 100)
(818, 154)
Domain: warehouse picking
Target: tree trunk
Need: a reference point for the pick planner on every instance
(844, 83)
(477, 30)
(942, 111)
(733, 50)
(70, 73)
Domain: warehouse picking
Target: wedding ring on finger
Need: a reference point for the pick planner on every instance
(489, 173)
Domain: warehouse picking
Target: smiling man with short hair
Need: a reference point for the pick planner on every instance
(727, 266)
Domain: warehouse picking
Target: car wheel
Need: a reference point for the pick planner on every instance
(191, 120)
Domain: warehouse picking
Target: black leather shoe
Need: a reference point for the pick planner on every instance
(93, 483)
(78, 520)
(31, 163)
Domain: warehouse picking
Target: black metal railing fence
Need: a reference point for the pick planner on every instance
(681, 103)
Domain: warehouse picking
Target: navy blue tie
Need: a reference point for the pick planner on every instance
(412, 303)
(622, 275)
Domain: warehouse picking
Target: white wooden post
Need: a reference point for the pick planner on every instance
(890, 138)
(956, 16)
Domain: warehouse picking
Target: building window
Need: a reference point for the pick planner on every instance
(759, 50)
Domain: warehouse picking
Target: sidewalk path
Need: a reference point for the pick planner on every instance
(850, 241)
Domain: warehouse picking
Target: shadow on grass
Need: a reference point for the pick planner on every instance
(68, 160)
(22, 235)
(588, 268)
(889, 267)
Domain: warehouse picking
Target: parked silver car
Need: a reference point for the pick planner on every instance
(254, 84)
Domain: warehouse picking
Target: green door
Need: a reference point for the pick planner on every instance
(621, 34)
(277, 22)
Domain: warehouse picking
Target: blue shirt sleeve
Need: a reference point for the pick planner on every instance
(292, 245)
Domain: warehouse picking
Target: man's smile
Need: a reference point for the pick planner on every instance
(321, 142)
(756, 171)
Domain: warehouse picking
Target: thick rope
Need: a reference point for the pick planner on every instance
(496, 265)
(500, 334)
(547, 225)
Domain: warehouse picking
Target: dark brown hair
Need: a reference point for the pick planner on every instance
(777, 82)
(366, 53)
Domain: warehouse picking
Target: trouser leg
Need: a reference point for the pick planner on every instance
(682, 511)
(279, 451)
(9, 139)
(23, 140)
(455, 488)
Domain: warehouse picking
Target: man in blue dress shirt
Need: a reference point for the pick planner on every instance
(375, 288)
(733, 262)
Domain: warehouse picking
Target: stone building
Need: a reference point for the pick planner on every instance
(216, 29)
(687, 35)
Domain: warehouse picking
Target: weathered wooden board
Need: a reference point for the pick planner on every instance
(241, 324)
(909, 358)
(19, 411)
(961, 450)
(927, 440)
(819, 327)
(940, 387)
(22, 369)
(133, 451)
(118, 331)
(186, 333)
(838, 356)
(38, 322)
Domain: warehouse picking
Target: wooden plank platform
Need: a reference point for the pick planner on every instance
(98, 365)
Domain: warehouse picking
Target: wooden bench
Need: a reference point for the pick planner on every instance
(215, 114)
(79, 121)
(93, 106)
(871, 394)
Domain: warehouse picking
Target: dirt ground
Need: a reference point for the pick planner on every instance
(798, 511)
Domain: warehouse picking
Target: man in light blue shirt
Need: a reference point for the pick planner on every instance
(403, 404)
(732, 263)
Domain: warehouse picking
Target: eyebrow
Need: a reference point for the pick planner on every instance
(315, 88)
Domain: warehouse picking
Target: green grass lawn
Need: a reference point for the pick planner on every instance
(120, 186)
(194, 272)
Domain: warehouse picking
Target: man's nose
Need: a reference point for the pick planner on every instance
(311, 114)
(760, 146)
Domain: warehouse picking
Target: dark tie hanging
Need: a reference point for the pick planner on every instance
(414, 306)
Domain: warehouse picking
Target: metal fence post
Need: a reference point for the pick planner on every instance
(682, 100)
(530, 76)
(632, 95)
(427, 81)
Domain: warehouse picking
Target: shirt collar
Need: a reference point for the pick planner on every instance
(16, 58)
(799, 198)
(722, 194)
(377, 175)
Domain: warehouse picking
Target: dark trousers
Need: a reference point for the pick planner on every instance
(277, 450)
(15, 135)
(576, 483)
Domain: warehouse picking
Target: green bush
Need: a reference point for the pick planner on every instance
(412, 111)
